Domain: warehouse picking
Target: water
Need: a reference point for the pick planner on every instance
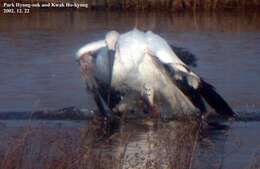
(38, 70)
(235, 147)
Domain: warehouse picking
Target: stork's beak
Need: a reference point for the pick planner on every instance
(111, 58)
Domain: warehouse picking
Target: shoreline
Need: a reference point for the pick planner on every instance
(73, 113)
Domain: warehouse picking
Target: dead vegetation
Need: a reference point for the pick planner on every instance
(170, 5)
(179, 5)
(162, 145)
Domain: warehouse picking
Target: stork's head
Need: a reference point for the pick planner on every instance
(111, 39)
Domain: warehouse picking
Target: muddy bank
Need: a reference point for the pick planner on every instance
(68, 113)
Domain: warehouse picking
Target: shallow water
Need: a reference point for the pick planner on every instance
(38, 70)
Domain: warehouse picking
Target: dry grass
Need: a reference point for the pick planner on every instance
(189, 5)
(169, 145)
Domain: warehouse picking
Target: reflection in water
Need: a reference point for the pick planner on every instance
(137, 144)
(160, 145)
(150, 144)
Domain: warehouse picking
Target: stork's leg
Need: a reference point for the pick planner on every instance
(109, 119)
(148, 97)
(104, 110)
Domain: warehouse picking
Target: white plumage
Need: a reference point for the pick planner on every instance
(90, 48)
(144, 62)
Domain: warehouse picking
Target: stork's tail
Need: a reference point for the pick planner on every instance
(215, 100)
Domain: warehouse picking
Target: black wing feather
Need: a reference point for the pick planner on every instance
(205, 92)
(189, 91)
(214, 99)
(187, 57)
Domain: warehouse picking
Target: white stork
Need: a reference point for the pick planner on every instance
(144, 62)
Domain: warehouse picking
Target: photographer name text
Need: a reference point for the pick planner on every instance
(13, 8)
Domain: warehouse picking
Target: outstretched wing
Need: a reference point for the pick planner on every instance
(198, 89)
(172, 97)
(194, 87)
